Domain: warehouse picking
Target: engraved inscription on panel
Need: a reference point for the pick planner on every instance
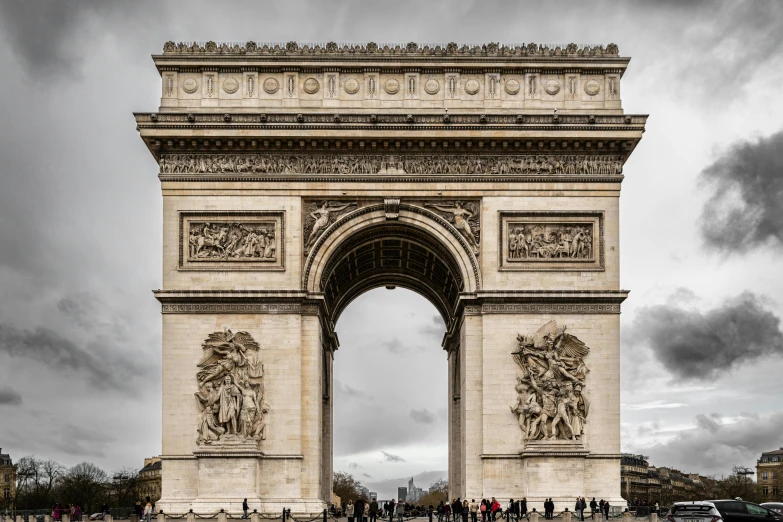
(231, 241)
(550, 401)
(551, 241)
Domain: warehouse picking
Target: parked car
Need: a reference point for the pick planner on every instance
(738, 510)
(695, 511)
(774, 506)
(96, 516)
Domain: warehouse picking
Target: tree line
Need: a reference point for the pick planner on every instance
(40, 484)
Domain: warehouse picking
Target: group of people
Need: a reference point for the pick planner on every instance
(459, 510)
(74, 511)
(144, 512)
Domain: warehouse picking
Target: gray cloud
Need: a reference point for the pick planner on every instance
(435, 329)
(745, 209)
(347, 391)
(395, 346)
(50, 348)
(9, 397)
(389, 457)
(696, 345)
(422, 416)
(353, 465)
(715, 445)
(366, 475)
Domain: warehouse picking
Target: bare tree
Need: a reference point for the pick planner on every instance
(85, 484)
(36, 482)
(739, 484)
(124, 486)
(439, 491)
(346, 487)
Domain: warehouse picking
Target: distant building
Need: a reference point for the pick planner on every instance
(7, 480)
(414, 494)
(769, 474)
(150, 479)
(373, 495)
(364, 492)
(402, 494)
(646, 485)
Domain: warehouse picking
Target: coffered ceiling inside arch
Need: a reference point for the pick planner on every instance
(392, 255)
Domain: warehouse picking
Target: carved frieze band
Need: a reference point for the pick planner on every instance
(390, 164)
(232, 240)
(544, 241)
(550, 308)
(237, 308)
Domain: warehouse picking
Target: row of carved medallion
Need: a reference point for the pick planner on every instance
(255, 240)
(347, 164)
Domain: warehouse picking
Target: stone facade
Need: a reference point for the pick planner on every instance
(150, 479)
(769, 475)
(295, 177)
(7, 481)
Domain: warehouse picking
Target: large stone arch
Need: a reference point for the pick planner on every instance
(434, 259)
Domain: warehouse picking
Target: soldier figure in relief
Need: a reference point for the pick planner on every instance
(229, 405)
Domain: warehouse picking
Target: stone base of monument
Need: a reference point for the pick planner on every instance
(554, 448)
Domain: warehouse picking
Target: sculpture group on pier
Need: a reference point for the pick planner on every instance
(550, 401)
(232, 241)
(231, 390)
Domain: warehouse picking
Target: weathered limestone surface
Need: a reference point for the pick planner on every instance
(295, 161)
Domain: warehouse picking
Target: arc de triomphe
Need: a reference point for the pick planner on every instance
(296, 177)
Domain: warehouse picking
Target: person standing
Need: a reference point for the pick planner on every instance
(138, 510)
(400, 510)
(147, 510)
(244, 508)
(447, 511)
(473, 510)
(349, 511)
(593, 508)
(606, 509)
(430, 509)
(495, 507)
(578, 508)
(465, 510)
(391, 510)
(374, 510)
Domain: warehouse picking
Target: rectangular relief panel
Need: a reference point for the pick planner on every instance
(232, 240)
(543, 241)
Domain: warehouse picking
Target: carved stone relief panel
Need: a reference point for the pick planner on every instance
(231, 395)
(551, 404)
(319, 214)
(464, 215)
(232, 241)
(370, 163)
(544, 241)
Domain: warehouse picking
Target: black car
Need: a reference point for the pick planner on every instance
(740, 511)
(774, 506)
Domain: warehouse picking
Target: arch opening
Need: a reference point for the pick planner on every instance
(391, 254)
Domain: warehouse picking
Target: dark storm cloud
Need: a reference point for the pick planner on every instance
(422, 416)
(696, 345)
(51, 349)
(746, 206)
(390, 457)
(717, 444)
(42, 32)
(9, 397)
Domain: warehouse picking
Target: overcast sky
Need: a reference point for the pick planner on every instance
(702, 228)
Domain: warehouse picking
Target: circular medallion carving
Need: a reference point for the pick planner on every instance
(230, 85)
(271, 85)
(391, 86)
(351, 86)
(190, 85)
(512, 86)
(592, 87)
(311, 86)
(472, 86)
(432, 86)
(552, 87)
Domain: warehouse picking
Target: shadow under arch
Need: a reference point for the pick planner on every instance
(418, 250)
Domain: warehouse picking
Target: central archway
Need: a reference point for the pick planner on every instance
(407, 246)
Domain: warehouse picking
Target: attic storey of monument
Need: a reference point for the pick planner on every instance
(297, 176)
